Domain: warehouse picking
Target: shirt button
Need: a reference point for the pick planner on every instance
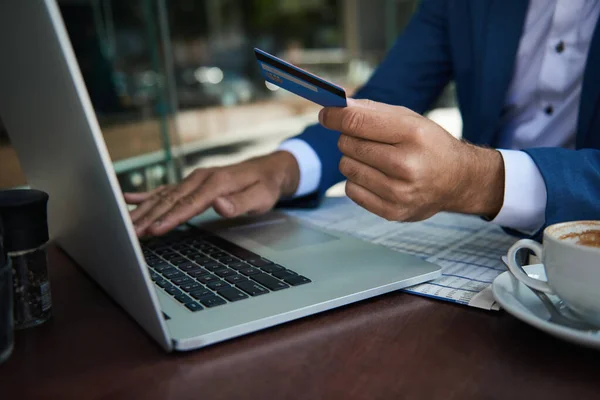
(560, 47)
(549, 110)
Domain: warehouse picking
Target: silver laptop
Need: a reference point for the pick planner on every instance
(195, 287)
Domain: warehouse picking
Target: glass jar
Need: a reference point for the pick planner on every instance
(31, 287)
(6, 303)
(26, 237)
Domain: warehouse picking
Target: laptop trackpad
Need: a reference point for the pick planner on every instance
(282, 234)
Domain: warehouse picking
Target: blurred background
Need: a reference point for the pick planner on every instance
(175, 84)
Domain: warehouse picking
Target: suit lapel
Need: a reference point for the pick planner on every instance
(502, 32)
(590, 96)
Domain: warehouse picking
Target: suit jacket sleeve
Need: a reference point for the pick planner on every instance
(413, 74)
(572, 179)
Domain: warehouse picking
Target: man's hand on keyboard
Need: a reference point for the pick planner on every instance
(404, 167)
(253, 186)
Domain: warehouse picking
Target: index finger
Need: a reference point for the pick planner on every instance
(137, 198)
(218, 184)
(367, 123)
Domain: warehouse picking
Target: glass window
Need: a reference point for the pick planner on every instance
(10, 171)
(175, 84)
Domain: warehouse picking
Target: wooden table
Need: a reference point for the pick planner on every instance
(397, 346)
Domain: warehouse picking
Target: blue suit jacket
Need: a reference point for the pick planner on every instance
(474, 43)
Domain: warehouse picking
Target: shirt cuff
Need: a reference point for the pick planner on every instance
(309, 163)
(524, 206)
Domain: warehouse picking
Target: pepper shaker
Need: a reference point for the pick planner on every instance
(24, 213)
(6, 306)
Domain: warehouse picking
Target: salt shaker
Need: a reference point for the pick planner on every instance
(6, 306)
(26, 236)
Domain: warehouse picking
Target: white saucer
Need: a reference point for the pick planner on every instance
(518, 300)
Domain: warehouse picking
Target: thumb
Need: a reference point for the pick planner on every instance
(381, 107)
(256, 198)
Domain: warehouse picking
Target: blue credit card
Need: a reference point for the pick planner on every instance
(304, 84)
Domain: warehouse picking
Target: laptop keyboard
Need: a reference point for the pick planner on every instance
(207, 271)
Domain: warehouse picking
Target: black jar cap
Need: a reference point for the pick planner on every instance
(24, 214)
(2, 250)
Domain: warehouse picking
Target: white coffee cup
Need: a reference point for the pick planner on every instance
(571, 258)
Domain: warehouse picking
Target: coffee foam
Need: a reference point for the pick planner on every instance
(585, 233)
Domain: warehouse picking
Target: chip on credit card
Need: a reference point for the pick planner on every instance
(291, 78)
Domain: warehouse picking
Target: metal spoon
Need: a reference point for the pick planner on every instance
(556, 315)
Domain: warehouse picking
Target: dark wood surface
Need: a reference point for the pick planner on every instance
(397, 346)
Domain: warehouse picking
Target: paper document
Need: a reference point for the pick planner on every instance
(468, 249)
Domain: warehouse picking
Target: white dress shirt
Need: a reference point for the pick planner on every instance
(540, 110)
